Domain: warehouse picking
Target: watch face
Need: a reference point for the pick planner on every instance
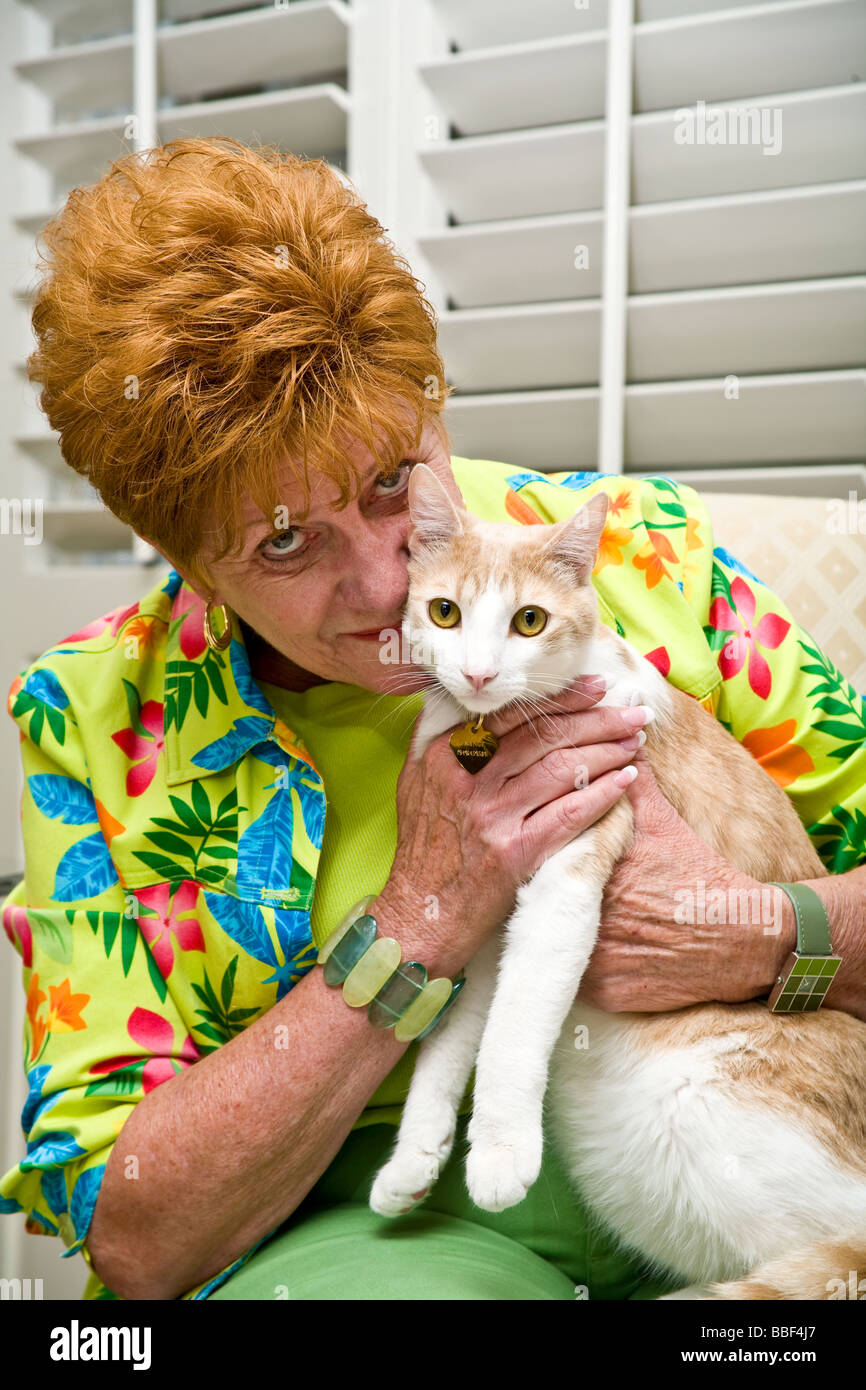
(803, 983)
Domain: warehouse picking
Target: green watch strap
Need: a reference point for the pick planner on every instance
(813, 926)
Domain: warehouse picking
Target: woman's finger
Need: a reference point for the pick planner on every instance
(561, 821)
(566, 770)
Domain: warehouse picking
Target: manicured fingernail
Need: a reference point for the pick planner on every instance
(637, 715)
(625, 775)
(635, 741)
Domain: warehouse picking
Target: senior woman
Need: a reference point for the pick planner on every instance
(239, 361)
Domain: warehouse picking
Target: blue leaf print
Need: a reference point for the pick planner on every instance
(734, 564)
(226, 750)
(51, 1151)
(36, 1103)
(54, 1191)
(245, 924)
(84, 871)
(579, 480)
(270, 752)
(63, 799)
(172, 584)
(293, 930)
(293, 934)
(247, 688)
(265, 847)
(312, 799)
(84, 1195)
(45, 686)
(313, 812)
(8, 1205)
(519, 480)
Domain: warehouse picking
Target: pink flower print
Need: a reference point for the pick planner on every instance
(746, 637)
(161, 932)
(143, 752)
(191, 633)
(17, 927)
(112, 621)
(155, 1034)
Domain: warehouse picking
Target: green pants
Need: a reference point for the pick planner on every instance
(334, 1247)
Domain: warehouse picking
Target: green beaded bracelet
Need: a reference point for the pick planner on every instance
(370, 968)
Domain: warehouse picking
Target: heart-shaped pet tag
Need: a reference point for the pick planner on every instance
(473, 746)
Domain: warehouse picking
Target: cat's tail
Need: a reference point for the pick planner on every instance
(829, 1269)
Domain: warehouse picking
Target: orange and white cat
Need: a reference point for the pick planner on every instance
(647, 1114)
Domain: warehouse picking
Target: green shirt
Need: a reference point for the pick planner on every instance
(358, 742)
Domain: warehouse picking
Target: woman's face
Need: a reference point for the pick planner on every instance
(321, 590)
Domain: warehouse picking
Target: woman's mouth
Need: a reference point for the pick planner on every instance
(376, 634)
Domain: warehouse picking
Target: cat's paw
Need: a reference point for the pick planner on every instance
(499, 1173)
(392, 1192)
(405, 1180)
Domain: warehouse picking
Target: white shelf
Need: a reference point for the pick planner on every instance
(531, 84)
(488, 177)
(811, 325)
(805, 326)
(795, 418)
(520, 174)
(786, 234)
(305, 42)
(70, 75)
(33, 222)
(257, 48)
(85, 19)
(649, 10)
(523, 260)
(783, 234)
(524, 347)
(822, 143)
(77, 150)
(77, 526)
(471, 22)
(309, 120)
(722, 55)
(546, 430)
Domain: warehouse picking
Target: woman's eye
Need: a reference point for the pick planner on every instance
(288, 542)
(398, 481)
(529, 621)
(444, 612)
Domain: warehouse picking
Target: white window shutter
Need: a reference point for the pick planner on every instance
(745, 315)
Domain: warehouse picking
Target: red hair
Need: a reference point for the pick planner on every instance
(212, 314)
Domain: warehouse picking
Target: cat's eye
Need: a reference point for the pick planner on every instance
(444, 612)
(529, 621)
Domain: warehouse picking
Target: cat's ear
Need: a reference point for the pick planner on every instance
(435, 517)
(575, 541)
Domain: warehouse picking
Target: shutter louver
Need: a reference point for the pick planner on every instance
(746, 309)
(273, 73)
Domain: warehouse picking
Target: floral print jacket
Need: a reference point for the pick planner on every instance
(172, 823)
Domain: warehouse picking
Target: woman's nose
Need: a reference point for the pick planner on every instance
(377, 573)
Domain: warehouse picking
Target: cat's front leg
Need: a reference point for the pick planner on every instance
(549, 940)
(442, 1069)
(440, 712)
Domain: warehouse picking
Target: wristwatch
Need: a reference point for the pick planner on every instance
(810, 970)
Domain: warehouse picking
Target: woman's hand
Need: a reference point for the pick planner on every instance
(466, 842)
(648, 958)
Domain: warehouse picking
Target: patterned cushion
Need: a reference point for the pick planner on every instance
(787, 542)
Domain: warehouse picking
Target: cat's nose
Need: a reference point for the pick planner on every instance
(479, 679)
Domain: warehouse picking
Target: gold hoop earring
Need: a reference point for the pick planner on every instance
(217, 644)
